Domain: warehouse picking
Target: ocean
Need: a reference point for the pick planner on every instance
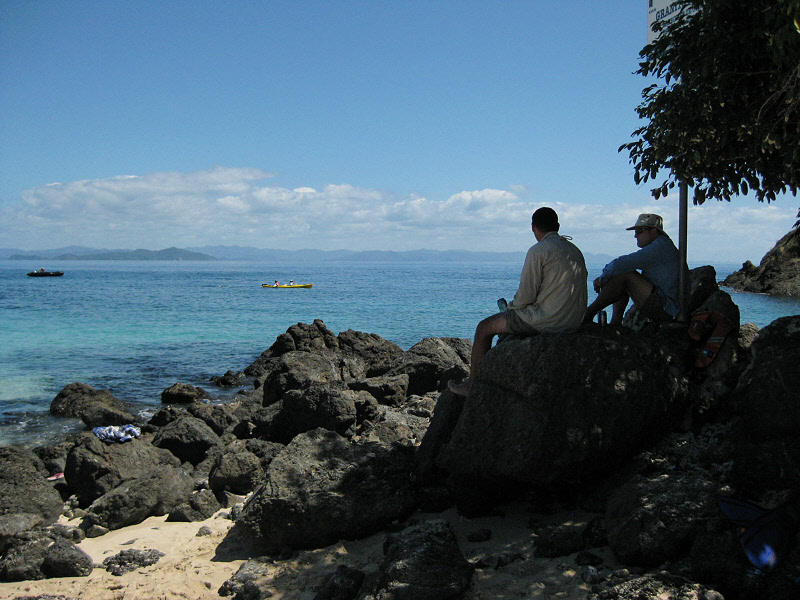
(137, 327)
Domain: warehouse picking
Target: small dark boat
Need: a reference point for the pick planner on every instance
(45, 273)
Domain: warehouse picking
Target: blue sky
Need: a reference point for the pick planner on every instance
(361, 125)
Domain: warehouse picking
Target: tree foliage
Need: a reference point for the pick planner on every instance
(725, 114)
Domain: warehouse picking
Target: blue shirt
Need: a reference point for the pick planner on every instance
(658, 262)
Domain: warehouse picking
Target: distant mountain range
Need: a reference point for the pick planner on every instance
(78, 253)
(248, 253)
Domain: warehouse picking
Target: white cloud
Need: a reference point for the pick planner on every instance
(237, 206)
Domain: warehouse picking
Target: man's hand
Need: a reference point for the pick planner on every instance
(598, 285)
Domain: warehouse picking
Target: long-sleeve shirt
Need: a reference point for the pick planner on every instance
(552, 294)
(658, 262)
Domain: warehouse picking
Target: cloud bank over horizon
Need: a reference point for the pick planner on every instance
(241, 206)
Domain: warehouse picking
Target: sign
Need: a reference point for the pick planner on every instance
(658, 11)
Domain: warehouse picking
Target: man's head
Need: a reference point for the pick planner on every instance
(647, 228)
(545, 220)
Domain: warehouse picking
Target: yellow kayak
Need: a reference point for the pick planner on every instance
(294, 285)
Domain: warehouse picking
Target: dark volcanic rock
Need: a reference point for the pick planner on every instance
(182, 393)
(422, 562)
(368, 354)
(654, 519)
(101, 416)
(200, 505)
(323, 488)
(188, 438)
(94, 468)
(386, 389)
(13, 524)
(235, 472)
(130, 560)
(567, 407)
(777, 274)
(24, 487)
(153, 494)
(76, 397)
(331, 406)
(661, 585)
(767, 404)
(431, 363)
(40, 556)
(298, 370)
(229, 379)
(342, 584)
(219, 416)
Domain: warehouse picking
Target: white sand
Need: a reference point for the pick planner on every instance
(195, 567)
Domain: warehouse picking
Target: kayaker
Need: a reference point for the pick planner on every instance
(276, 283)
(552, 293)
(291, 282)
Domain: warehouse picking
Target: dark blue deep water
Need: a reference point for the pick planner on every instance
(135, 328)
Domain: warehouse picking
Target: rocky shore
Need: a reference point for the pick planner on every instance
(583, 465)
(777, 274)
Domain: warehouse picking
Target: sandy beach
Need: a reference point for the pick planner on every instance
(196, 566)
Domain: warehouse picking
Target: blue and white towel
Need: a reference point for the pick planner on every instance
(113, 433)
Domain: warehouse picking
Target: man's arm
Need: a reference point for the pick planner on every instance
(530, 281)
(638, 260)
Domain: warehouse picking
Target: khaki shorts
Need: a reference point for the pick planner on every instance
(653, 308)
(516, 325)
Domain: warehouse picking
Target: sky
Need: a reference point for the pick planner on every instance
(362, 125)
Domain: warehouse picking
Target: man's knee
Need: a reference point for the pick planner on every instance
(491, 326)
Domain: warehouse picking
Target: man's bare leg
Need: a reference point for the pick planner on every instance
(484, 333)
(617, 291)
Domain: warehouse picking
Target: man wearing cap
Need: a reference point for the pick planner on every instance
(654, 290)
(552, 293)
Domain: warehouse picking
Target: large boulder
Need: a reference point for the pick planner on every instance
(103, 416)
(235, 472)
(368, 354)
(654, 519)
(431, 363)
(422, 562)
(199, 506)
(153, 494)
(323, 488)
(297, 370)
(94, 468)
(218, 416)
(39, 555)
(182, 393)
(390, 390)
(24, 487)
(188, 438)
(331, 406)
(558, 408)
(76, 398)
(767, 406)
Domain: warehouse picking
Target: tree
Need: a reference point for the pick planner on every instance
(725, 118)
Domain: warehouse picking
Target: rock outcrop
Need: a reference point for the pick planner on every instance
(95, 407)
(777, 274)
(558, 408)
(24, 487)
(323, 488)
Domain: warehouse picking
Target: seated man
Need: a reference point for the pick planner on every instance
(552, 293)
(654, 291)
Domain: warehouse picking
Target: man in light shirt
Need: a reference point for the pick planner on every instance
(552, 293)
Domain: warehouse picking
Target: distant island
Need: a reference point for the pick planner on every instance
(166, 254)
(248, 253)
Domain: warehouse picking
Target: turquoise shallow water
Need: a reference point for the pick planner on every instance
(136, 328)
